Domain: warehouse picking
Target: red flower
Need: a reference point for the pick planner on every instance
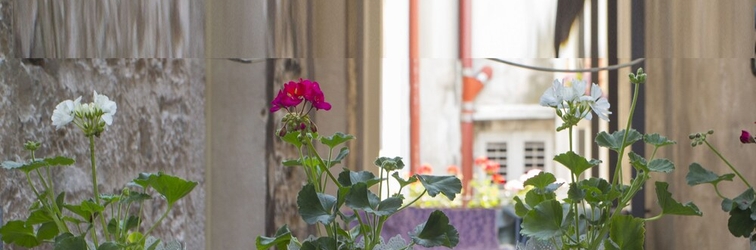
(293, 93)
(481, 160)
(746, 137)
(452, 170)
(498, 179)
(425, 169)
(492, 167)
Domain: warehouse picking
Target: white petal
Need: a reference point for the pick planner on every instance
(63, 114)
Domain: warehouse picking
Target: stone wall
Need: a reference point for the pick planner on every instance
(160, 121)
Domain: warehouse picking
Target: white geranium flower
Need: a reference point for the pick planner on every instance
(553, 96)
(107, 106)
(64, 112)
(598, 103)
(575, 90)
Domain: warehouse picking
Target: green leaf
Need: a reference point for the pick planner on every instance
(38, 163)
(47, 231)
(521, 208)
(627, 233)
(740, 223)
(143, 180)
(541, 180)
(135, 197)
(402, 182)
(39, 216)
(533, 198)
(670, 206)
(657, 140)
(613, 141)
(88, 209)
(335, 139)
(575, 163)
(349, 178)
(60, 161)
(109, 246)
(292, 138)
(342, 154)
(448, 185)
(315, 207)
(292, 163)
(112, 226)
(11, 165)
(280, 240)
(134, 237)
(699, 175)
(171, 187)
(61, 199)
(545, 221)
(131, 223)
(67, 241)
(638, 162)
(436, 231)
(322, 243)
(389, 164)
(576, 193)
(727, 205)
(389, 206)
(19, 233)
(359, 197)
(745, 199)
(661, 165)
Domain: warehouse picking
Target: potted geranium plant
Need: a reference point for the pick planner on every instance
(104, 222)
(742, 221)
(353, 217)
(591, 216)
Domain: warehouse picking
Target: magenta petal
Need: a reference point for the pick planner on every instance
(745, 137)
(322, 105)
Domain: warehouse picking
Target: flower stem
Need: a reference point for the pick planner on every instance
(727, 162)
(144, 237)
(96, 189)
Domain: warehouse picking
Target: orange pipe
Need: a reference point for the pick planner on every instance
(414, 72)
(470, 88)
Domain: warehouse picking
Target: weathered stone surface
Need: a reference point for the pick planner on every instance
(159, 126)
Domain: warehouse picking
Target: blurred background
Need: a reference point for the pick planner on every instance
(438, 82)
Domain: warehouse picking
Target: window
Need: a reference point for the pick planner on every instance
(534, 156)
(497, 151)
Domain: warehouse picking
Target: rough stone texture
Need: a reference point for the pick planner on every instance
(159, 126)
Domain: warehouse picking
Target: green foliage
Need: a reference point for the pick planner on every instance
(315, 207)
(280, 240)
(699, 175)
(354, 192)
(670, 206)
(614, 141)
(575, 163)
(545, 221)
(171, 187)
(590, 214)
(436, 231)
(627, 233)
(449, 186)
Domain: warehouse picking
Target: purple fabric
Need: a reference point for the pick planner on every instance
(477, 227)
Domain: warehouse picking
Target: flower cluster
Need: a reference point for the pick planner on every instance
(572, 104)
(486, 184)
(290, 96)
(293, 93)
(92, 118)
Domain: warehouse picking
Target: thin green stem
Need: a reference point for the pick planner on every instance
(716, 189)
(618, 167)
(653, 218)
(574, 206)
(156, 223)
(95, 187)
(412, 202)
(727, 162)
(320, 160)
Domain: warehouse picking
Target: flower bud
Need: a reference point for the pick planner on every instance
(282, 132)
(31, 145)
(302, 126)
(692, 136)
(313, 127)
(711, 131)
